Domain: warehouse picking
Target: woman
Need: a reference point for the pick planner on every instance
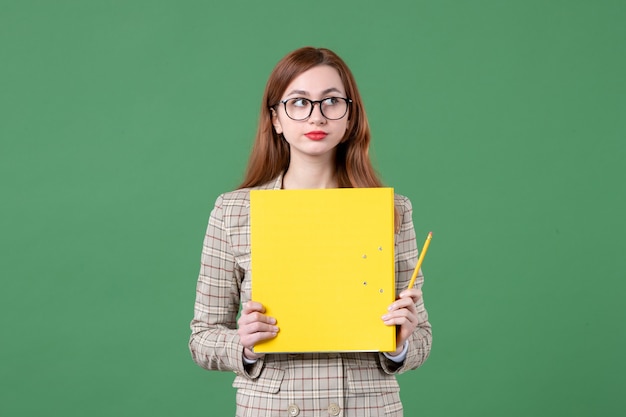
(313, 133)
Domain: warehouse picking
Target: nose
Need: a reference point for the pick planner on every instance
(316, 115)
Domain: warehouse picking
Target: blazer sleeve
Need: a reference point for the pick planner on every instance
(406, 259)
(214, 342)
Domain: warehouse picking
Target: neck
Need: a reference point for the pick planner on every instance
(309, 175)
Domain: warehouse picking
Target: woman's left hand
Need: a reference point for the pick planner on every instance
(403, 314)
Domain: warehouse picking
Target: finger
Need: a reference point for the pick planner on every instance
(400, 317)
(261, 336)
(255, 317)
(259, 327)
(249, 341)
(398, 321)
(400, 303)
(252, 306)
(250, 330)
(414, 294)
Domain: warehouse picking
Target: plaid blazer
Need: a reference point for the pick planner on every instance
(357, 384)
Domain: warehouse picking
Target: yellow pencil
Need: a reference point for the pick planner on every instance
(420, 260)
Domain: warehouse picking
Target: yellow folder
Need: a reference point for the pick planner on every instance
(323, 266)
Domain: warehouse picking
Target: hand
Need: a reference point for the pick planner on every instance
(403, 314)
(254, 326)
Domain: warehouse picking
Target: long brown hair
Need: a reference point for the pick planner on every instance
(270, 153)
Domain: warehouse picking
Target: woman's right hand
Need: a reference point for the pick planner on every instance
(255, 326)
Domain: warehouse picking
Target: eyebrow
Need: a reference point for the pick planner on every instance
(306, 93)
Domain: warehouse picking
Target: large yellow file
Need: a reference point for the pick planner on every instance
(323, 266)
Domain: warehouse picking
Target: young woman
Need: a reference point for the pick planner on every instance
(313, 133)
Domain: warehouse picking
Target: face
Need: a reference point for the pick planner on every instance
(316, 136)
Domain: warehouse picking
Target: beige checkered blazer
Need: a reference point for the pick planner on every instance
(312, 384)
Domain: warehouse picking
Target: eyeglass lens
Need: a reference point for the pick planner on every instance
(332, 108)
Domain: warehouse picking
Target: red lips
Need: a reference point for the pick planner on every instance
(316, 135)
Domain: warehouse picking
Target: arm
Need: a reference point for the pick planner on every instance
(419, 338)
(214, 342)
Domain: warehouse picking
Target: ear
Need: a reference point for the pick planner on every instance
(275, 122)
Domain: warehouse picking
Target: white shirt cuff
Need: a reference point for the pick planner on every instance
(247, 361)
(398, 358)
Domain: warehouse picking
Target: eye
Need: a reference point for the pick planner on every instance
(330, 101)
(300, 102)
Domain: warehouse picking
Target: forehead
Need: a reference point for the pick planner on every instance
(316, 80)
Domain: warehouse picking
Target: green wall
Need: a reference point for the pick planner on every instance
(503, 121)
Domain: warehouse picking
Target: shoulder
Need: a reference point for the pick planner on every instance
(234, 198)
(402, 203)
(237, 202)
(231, 209)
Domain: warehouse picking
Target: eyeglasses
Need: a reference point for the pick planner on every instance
(332, 108)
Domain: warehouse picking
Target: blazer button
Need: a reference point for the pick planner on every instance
(333, 409)
(293, 410)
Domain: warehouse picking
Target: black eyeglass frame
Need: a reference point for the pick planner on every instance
(313, 103)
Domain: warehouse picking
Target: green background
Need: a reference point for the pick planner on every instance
(503, 121)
